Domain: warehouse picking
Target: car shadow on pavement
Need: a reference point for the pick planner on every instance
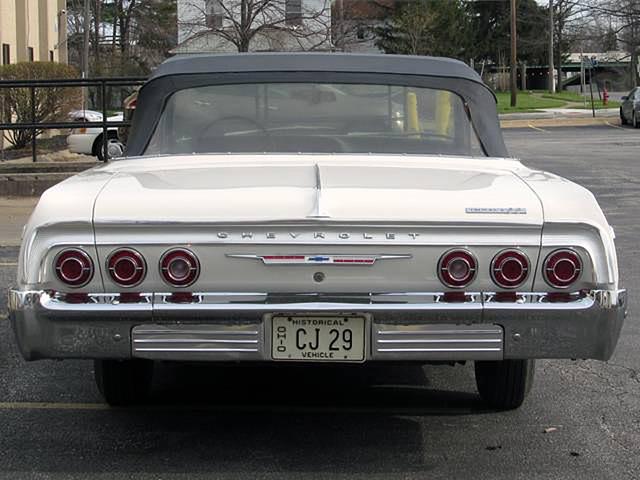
(257, 421)
(323, 388)
(290, 419)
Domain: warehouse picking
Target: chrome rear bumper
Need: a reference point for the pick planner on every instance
(408, 326)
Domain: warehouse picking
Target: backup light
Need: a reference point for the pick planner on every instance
(457, 268)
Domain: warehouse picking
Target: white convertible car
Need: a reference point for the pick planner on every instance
(317, 208)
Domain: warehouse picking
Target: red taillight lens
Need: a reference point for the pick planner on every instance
(562, 268)
(457, 268)
(126, 267)
(179, 267)
(510, 268)
(73, 267)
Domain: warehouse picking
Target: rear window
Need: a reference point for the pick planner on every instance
(314, 118)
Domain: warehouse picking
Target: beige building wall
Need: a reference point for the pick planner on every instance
(37, 26)
(8, 27)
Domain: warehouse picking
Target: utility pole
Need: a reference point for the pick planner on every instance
(514, 67)
(552, 83)
(85, 51)
(341, 26)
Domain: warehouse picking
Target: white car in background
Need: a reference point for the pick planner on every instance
(83, 115)
(88, 140)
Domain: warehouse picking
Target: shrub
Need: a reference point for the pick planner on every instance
(52, 103)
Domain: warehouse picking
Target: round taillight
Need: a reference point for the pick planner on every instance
(179, 267)
(510, 268)
(562, 268)
(126, 267)
(73, 267)
(457, 268)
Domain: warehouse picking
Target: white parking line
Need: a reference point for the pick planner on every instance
(52, 406)
(8, 264)
(537, 128)
(615, 126)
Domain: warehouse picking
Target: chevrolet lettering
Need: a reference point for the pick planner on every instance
(316, 208)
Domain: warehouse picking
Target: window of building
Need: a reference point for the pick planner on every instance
(30, 53)
(51, 55)
(214, 14)
(293, 12)
(6, 54)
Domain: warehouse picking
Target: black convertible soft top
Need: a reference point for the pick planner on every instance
(191, 71)
(317, 62)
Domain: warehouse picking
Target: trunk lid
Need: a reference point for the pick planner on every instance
(219, 189)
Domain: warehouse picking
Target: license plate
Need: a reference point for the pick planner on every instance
(339, 339)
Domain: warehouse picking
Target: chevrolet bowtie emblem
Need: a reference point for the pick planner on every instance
(299, 259)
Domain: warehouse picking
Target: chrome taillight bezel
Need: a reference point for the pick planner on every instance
(571, 256)
(445, 262)
(86, 267)
(497, 265)
(172, 255)
(124, 254)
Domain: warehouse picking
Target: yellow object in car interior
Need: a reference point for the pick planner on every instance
(412, 113)
(444, 119)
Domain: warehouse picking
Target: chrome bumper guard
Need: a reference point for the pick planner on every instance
(236, 326)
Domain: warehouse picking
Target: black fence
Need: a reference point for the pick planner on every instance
(103, 83)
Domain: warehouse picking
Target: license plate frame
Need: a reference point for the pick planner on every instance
(359, 325)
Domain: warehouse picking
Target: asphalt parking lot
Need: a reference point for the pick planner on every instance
(581, 421)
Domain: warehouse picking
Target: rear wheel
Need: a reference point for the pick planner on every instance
(635, 121)
(504, 384)
(123, 382)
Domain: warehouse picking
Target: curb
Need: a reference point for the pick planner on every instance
(32, 179)
(28, 184)
(45, 167)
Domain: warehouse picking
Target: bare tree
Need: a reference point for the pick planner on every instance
(259, 24)
(624, 25)
(569, 19)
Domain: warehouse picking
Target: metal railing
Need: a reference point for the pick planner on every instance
(102, 82)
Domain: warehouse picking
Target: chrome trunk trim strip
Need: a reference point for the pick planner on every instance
(198, 342)
(438, 342)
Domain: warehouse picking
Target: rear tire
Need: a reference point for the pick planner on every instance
(505, 384)
(98, 148)
(635, 121)
(124, 382)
